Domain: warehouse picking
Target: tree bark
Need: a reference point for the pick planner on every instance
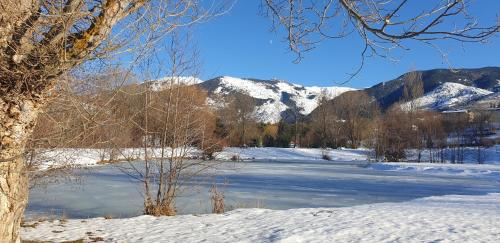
(18, 116)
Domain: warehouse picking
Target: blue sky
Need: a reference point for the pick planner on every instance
(240, 44)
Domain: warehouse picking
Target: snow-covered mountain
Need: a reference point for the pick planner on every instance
(448, 96)
(161, 83)
(390, 92)
(274, 99)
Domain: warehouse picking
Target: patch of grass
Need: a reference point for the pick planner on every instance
(96, 239)
(29, 224)
(257, 204)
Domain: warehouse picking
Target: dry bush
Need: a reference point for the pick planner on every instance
(217, 198)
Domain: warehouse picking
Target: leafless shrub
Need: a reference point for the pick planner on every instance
(217, 198)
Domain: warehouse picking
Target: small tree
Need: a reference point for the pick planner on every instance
(394, 134)
(480, 128)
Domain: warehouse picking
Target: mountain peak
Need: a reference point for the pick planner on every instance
(275, 99)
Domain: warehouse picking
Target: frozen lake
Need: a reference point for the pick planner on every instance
(106, 190)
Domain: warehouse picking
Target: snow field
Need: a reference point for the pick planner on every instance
(449, 218)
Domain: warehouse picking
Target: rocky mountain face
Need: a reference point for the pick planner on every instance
(274, 99)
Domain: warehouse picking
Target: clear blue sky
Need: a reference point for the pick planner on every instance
(240, 44)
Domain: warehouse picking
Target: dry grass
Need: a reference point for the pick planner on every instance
(29, 224)
(107, 161)
(96, 239)
(217, 200)
(160, 210)
(257, 204)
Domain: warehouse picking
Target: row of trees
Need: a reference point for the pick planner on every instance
(136, 116)
(354, 119)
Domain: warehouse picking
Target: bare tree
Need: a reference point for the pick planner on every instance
(393, 135)
(413, 89)
(323, 119)
(431, 133)
(480, 128)
(172, 120)
(42, 40)
(382, 25)
(237, 116)
(355, 110)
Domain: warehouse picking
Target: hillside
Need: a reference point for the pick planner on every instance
(449, 96)
(444, 89)
(390, 92)
(274, 99)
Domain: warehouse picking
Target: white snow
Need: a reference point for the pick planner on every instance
(257, 90)
(491, 172)
(306, 98)
(269, 111)
(73, 157)
(451, 218)
(160, 84)
(91, 157)
(448, 95)
(293, 154)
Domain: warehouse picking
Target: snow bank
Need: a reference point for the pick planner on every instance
(450, 218)
(491, 172)
(92, 157)
(293, 154)
(490, 169)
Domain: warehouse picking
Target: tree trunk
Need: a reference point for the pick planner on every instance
(17, 119)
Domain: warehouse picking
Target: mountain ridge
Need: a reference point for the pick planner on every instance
(276, 99)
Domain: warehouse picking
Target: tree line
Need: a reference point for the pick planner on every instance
(135, 116)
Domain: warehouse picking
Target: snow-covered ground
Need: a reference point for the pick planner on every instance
(490, 169)
(74, 157)
(491, 172)
(290, 154)
(451, 218)
(416, 204)
(91, 157)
